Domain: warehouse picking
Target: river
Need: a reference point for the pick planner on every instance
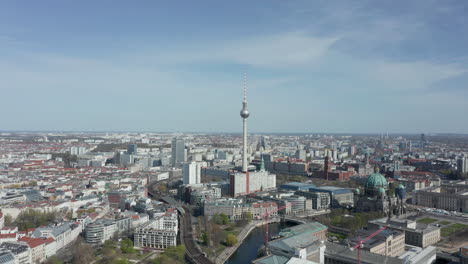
(248, 250)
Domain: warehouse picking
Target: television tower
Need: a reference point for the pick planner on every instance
(244, 113)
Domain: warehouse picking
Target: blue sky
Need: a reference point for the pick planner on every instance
(313, 66)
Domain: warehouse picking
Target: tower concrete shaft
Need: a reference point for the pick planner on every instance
(244, 147)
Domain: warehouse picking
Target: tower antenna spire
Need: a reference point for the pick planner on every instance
(245, 86)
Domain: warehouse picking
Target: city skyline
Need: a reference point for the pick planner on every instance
(313, 67)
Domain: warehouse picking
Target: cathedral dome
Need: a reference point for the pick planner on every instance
(374, 182)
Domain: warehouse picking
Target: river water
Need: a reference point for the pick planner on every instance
(248, 250)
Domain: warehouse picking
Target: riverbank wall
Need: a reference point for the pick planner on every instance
(227, 253)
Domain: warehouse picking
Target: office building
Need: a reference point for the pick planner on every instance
(437, 198)
(78, 151)
(418, 235)
(462, 165)
(160, 232)
(101, 230)
(313, 228)
(339, 197)
(386, 243)
(301, 155)
(192, 172)
(20, 250)
(37, 246)
(132, 149)
(250, 182)
(341, 254)
(235, 209)
(302, 245)
(178, 152)
(63, 233)
(320, 200)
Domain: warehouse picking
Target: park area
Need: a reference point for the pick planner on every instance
(452, 233)
(217, 233)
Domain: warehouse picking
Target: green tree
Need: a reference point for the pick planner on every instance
(8, 220)
(127, 246)
(218, 219)
(172, 255)
(120, 261)
(224, 219)
(231, 240)
(205, 238)
(82, 252)
(109, 244)
(249, 217)
(108, 255)
(32, 218)
(162, 188)
(53, 260)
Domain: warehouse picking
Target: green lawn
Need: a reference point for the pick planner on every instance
(337, 235)
(426, 220)
(458, 226)
(444, 223)
(446, 231)
(449, 230)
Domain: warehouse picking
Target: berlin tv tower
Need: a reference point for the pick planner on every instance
(244, 113)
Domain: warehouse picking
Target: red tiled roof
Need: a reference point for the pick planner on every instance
(49, 240)
(9, 228)
(3, 236)
(33, 242)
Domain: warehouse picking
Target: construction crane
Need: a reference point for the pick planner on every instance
(360, 243)
(267, 214)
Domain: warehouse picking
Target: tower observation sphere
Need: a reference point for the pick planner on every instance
(244, 112)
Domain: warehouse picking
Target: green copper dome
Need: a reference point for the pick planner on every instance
(374, 182)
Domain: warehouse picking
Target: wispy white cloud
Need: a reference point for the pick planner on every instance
(288, 49)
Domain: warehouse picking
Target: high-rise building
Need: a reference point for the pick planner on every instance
(178, 152)
(132, 149)
(301, 154)
(462, 165)
(192, 173)
(78, 151)
(352, 150)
